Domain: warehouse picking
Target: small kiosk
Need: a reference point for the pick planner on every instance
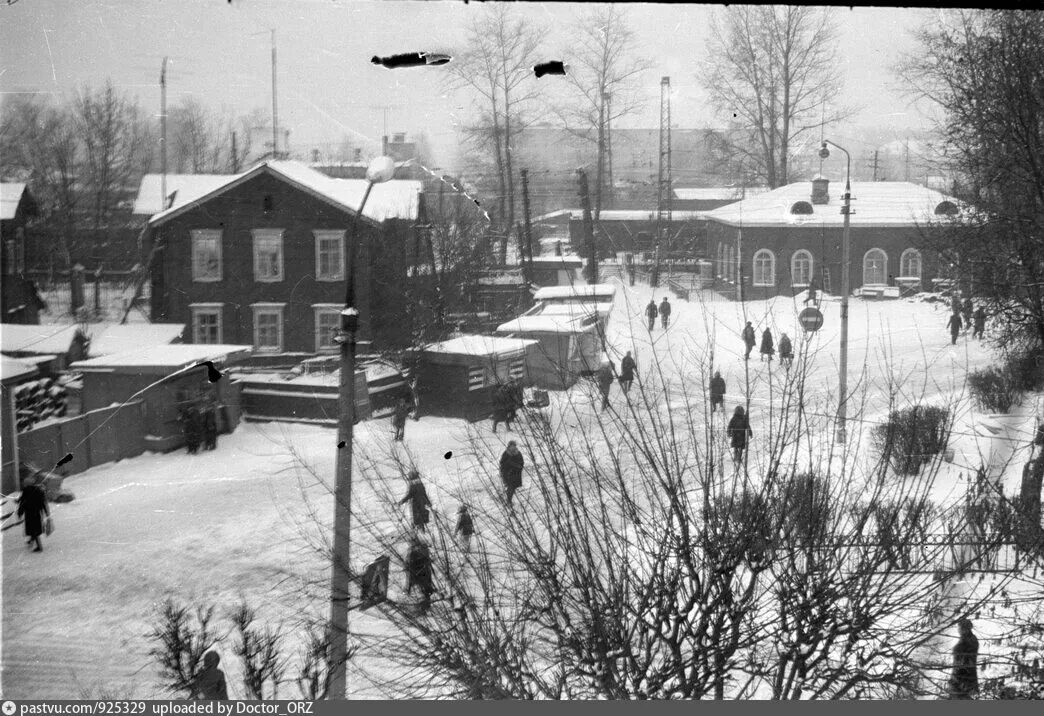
(456, 378)
(569, 346)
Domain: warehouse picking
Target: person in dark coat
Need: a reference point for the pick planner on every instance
(465, 527)
(978, 322)
(967, 309)
(415, 395)
(767, 349)
(418, 572)
(374, 583)
(665, 312)
(402, 411)
(32, 508)
(191, 426)
(786, 351)
(417, 496)
(511, 464)
(210, 429)
(209, 684)
(954, 324)
(717, 391)
(739, 433)
(651, 312)
(503, 406)
(964, 682)
(748, 339)
(627, 368)
(605, 384)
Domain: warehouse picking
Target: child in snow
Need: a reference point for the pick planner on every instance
(786, 351)
(739, 433)
(465, 527)
(767, 350)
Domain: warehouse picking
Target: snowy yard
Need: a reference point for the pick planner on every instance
(238, 521)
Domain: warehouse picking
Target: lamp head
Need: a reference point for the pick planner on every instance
(823, 151)
(380, 170)
(349, 320)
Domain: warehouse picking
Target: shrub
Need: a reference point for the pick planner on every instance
(1024, 370)
(912, 436)
(995, 391)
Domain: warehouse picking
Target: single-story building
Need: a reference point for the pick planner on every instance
(632, 230)
(164, 377)
(109, 339)
(457, 377)
(12, 372)
(775, 243)
(568, 347)
(50, 347)
(557, 270)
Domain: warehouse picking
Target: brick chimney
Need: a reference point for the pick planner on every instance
(820, 190)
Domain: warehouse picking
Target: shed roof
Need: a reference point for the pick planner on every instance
(396, 199)
(611, 215)
(11, 194)
(120, 338)
(883, 203)
(12, 369)
(173, 357)
(546, 324)
(184, 187)
(717, 193)
(18, 338)
(581, 292)
(484, 346)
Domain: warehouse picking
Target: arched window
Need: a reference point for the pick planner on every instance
(801, 268)
(910, 263)
(801, 207)
(875, 268)
(764, 268)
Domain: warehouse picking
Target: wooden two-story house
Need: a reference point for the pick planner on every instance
(261, 258)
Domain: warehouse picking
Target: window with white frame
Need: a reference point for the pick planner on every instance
(206, 255)
(206, 322)
(764, 268)
(329, 255)
(268, 326)
(268, 254)
(910, 264)
(801, 268)
(327, 326)
(875, 267)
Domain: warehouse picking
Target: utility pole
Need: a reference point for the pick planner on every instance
(235, 154)
(600, 172)
(589, 242)
(875, 164)
(275, 115)
(528, 241)
(663, 184)
(609, 148)
(163, 135)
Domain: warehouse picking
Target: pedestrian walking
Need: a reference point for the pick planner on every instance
(954, 324)
(503, 406)
(964, 681)
(605, 384)
(465, 527)
(748, 339)
(811, 297)
(717, 391)
(627, 369)
(191, 427)
(767, 349)
(978, 322)
(417, 496)
(418, 572)
(374, 588)
(739, 433)
(402, 411)
(209, 684)
(786, 351)
(511, 464)
(415, 395)
(33, 509)
(665, 312)
(967, 309)
(651, 312)
(210, 429)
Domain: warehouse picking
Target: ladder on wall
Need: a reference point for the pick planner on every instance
(826, 280)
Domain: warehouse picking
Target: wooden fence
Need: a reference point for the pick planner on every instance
(94, 438)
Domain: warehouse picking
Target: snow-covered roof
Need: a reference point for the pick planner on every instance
(719, 193)
(544, 324)
(620, 215)
(184, 187)
(17, 338)
(12, 369)
(174, 356)
(396, 199)
(117, 338)
(883, 203)
(481, 346)
(10, 197)
(572, 309)
(581, 292)
(549, 261)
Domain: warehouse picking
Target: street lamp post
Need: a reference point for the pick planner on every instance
(846, 210)
(380, 170)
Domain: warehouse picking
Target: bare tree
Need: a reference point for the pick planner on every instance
(775, 70)
(497, 66)
(603, 72)
(199, 141)
(117, 148)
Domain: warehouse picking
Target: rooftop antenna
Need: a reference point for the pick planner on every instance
(275, 115)
(163, 135)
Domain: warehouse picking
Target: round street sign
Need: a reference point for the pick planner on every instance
(811, 319)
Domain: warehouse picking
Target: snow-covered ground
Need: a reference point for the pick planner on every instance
(242, 520)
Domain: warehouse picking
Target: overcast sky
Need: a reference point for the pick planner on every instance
(327, 87)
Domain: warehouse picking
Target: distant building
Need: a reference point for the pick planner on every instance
(260, 258)
(20, 301)
(779, 240)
